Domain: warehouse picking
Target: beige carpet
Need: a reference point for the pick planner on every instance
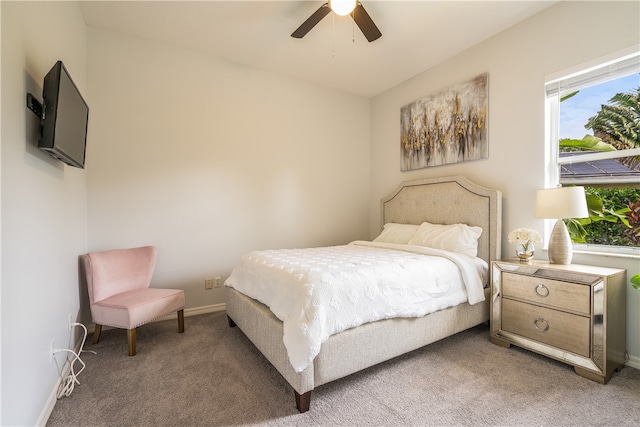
(212, 375)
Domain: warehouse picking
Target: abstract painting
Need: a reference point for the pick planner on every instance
(447, 127)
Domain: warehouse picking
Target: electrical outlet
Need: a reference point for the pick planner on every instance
(217, 285)
(208, 283)
(71, 322)
(51, 351)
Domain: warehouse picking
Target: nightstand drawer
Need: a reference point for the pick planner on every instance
(552, 293)
(556, 328)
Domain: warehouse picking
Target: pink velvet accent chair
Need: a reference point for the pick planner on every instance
(119, 293)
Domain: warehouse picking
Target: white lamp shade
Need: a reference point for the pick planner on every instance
(561, 202)
(342, 7)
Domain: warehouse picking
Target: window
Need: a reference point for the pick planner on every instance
(593, 140)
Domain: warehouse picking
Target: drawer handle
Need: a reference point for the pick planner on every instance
(540, 321)
(542, 291)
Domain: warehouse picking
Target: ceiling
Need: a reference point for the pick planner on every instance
(416, 35)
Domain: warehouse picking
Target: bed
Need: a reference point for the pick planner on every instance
(439, 201)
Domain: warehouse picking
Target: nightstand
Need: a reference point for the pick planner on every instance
(573, 313)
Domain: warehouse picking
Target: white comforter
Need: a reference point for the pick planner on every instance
(318, 292)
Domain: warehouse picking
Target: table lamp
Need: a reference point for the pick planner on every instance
(559, 203)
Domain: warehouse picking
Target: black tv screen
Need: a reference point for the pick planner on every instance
(66, 116)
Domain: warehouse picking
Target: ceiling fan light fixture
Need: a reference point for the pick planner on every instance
(342, 7)
(355, 8)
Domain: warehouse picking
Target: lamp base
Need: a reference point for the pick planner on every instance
(560, 245)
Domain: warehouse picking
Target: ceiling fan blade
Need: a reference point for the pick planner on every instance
(311, 21)
(365, 23)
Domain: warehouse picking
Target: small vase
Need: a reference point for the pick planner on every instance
(525, 254)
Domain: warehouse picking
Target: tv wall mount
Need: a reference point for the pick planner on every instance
(36, 106)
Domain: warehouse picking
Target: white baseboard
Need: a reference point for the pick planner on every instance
(198, 310)
(53, 396)
(633, 361)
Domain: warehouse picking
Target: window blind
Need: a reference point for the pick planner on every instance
(612, 70)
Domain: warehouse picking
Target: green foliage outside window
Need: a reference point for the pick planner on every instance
(612, 218)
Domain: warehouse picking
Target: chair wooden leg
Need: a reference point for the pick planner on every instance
(131, 338)
(96, 333)
(181, 321)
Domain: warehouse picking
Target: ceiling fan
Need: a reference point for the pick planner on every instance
(348, 7)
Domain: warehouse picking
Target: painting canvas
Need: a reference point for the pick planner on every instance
(446, 127)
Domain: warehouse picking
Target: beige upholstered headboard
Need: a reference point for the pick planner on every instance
(449, 200)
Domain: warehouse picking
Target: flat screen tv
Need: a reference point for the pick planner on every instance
(65, 118)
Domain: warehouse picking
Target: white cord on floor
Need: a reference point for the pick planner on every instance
(68, 383)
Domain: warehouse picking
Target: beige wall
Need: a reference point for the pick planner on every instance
(44, 209)
(208, 160)
(517, 61)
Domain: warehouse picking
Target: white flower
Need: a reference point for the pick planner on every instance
(524, 236)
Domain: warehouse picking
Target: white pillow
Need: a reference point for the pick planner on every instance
(396, 233)
(459, 238)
